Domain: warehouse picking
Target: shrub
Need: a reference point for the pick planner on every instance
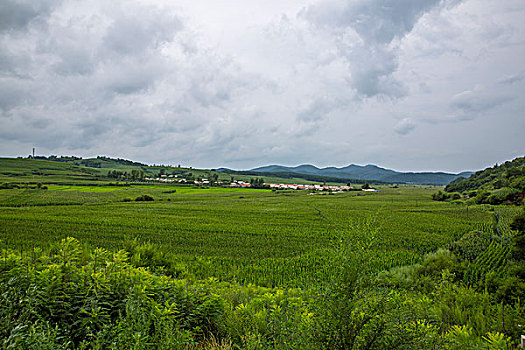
(440, 196)
(502, 195)
(434, 263)
(481, 197)
(518, 223)
(518, 183)
(144, 198)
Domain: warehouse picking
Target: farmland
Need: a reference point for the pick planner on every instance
(253, 235)
(253, 268)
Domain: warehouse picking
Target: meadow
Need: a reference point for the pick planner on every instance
(92, 267)
(248, 235)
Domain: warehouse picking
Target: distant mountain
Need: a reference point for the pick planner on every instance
(368, 172)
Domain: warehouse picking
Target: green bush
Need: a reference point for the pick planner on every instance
(440, 196)
(144, 198)
(481, 197)
(503, 195)
(456, 196)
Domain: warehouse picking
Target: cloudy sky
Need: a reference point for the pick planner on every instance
(404, 84)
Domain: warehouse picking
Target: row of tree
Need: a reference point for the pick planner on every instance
(133, 175)
(257, 183)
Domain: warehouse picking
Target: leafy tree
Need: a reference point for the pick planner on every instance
(440, 196)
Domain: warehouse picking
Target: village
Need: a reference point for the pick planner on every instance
(243, 184)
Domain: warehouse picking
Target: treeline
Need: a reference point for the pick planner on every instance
(121, 161)
(9, 186)
(133, 175)
(56, 159)
(91, 163)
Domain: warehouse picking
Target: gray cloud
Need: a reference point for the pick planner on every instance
(377, 21)
(365, 31)
(17, 14)
(305, 81)
(147, 28)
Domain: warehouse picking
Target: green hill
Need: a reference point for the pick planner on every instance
(71, 170)
(495, 185)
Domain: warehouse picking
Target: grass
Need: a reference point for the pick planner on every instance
(255, 236)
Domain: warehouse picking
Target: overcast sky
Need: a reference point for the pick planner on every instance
(404, 84)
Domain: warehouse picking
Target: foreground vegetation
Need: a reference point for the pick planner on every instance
(170, 267)
(74, 297)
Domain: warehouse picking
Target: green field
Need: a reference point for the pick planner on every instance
(238, 234)
(84, 263)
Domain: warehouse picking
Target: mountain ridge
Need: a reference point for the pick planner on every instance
(369, 172)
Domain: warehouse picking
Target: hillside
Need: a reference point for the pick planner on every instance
(71, 170)
(509, 174)
(367, 173)
(74, 170)
(499, 184)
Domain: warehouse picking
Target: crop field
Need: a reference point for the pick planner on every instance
(165, 266)
(257, 236)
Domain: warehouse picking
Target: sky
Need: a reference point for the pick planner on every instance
(410, 85)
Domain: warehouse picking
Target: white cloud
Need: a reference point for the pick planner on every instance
(404, 126)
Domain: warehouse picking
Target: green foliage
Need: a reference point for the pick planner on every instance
(257, 183)
(518, 223)
(265, 239)
(518, 249)
(472, 244)
(508, 179)
(462, 337)
(503, 195)
(96, 299)
(144, 198)
(444, 196)
(133, 175)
